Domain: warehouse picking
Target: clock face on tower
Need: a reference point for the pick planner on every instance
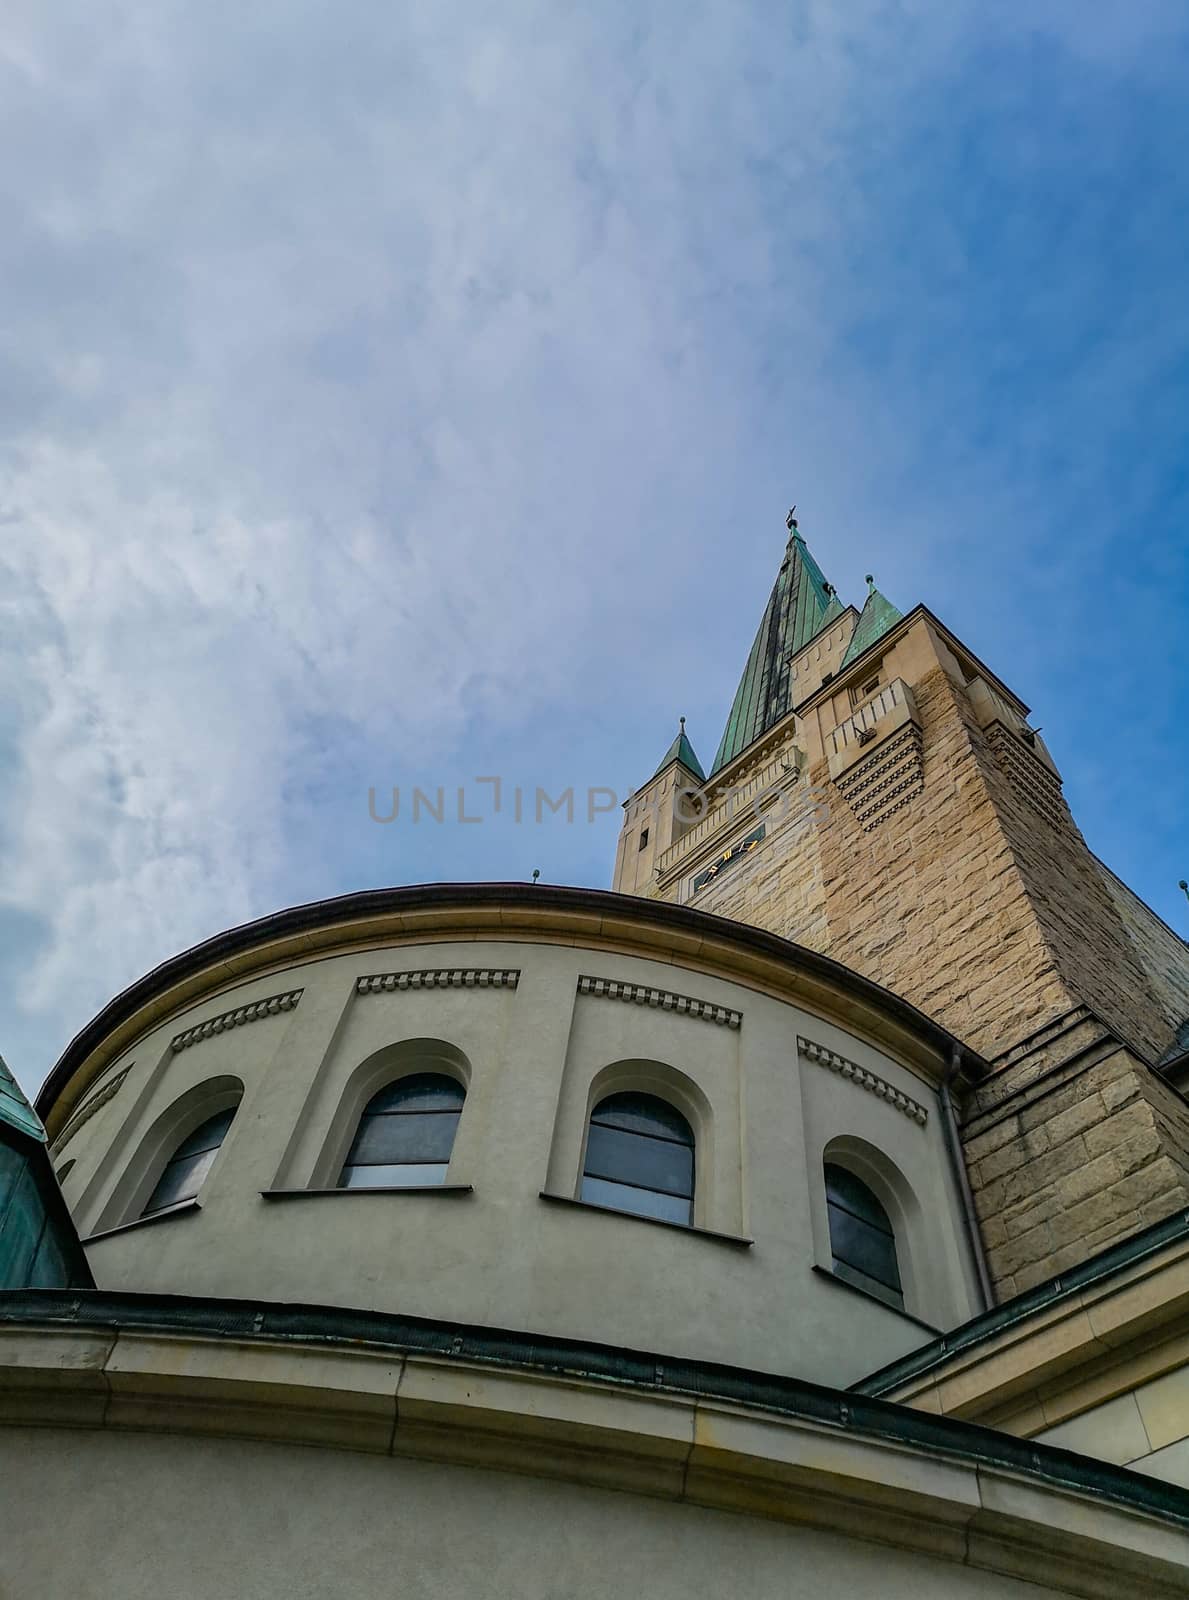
(737, 851)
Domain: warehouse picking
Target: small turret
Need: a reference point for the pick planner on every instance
(877, 616)
(681, 750)
(658, 814)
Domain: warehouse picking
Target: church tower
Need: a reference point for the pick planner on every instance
(880, 796)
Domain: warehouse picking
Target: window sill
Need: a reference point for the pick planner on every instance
(397, 1188)
(182, 1207)
(654, 1222)
(897, 1311)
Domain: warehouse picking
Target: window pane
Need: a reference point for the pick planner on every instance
(423, 1091)
(392, 1137)
(409, 1176)
(863, 1247)
(642, 1202)
(643, 1113)
(844, 1189)
(181, 1180)
(633, 1158)
(208, 1136)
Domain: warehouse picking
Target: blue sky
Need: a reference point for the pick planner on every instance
(391, 395)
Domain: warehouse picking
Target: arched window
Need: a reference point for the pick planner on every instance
(640, 1157)
(405, 1135)
(188, 1166)
(862, 1242)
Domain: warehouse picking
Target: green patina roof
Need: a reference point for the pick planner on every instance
(681, 750)
(15, 1109)
(800, 605)
(877, 617)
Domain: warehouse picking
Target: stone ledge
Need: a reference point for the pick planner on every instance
(691, 1228)
(1045, 1516)
(377, 1188)
(183, 1208)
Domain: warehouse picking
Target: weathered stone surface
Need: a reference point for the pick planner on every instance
(976, 898)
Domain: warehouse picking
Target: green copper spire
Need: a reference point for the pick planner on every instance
(681, 750)
(800, 605)
(877, 617)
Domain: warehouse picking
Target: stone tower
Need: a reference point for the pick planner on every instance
(879, 795)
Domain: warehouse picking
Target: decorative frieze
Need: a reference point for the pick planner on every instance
(253, 1012)
(89, 1107)
(865, 1079)
(641, 994)
(1028, 774)
(882, 783)
(440, 978)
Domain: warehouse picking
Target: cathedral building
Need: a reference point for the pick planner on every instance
(808, 1215)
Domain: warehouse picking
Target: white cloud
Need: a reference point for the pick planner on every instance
(372, 369)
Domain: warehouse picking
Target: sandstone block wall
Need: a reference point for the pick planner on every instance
(1158, 949)
(970, 891)
(1072, 1161)
(781, 886)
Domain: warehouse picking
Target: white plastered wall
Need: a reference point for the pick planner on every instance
(501, 1255)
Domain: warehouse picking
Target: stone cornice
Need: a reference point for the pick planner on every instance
(270, 1006)
(439, 978)
(713, 1436)
(505, 913)
(641, 994)
(864, 1078)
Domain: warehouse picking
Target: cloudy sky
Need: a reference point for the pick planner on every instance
(392, 394)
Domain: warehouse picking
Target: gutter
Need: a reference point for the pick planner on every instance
(953, 1144)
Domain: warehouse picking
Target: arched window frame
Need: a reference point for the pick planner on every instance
(175, 1124)
(640, 1157)
(190, 1163)
(670, 1084)
(389, 1120)
(895, 1194)
(863, 1245)
(384, 1067)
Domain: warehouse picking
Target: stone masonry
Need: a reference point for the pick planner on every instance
(925, 842)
